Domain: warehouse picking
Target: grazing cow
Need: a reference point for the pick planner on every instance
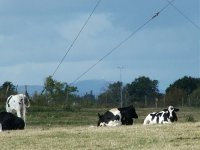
(117, 116)
(9, 121)
(163, 117)
(17, 104)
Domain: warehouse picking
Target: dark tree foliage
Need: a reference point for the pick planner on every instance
(187, 84)
(143, 86)
(6, 90)
(175, 97)
(112, 95)
(195, 97)
(88, 99)
(89, 96)
(183, 92)
(136, 91)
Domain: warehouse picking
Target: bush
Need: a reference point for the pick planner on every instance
(189, 118)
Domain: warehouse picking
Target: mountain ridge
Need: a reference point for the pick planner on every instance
(83, 86)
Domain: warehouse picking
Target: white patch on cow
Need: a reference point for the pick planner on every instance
(16, 104)
(115, 112)
(111, 123)
(114, 123)
(170, 109)
(102, 124)
(148, 119)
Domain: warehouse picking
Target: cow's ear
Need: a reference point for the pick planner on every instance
(165, 109)
(99, 115)
(176, 109)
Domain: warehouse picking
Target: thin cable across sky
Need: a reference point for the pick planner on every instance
(72, 44)
(187, 18)
(122, 42)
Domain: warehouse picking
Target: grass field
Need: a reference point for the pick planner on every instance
(53, 128)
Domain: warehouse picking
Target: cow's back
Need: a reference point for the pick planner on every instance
(130, 111)
(9, 121)
(128, 114)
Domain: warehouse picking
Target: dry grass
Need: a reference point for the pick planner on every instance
(55, 128)
(180, 136)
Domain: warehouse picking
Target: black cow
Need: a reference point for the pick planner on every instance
(117, 116)
(9, 121)
(168, 115)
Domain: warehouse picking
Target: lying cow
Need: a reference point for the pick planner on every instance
(117, 116)
(18, 104)
(9, 121)
(163, 117)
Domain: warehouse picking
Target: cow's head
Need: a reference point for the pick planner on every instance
(26, 99)
(101, 121)
(171, 113)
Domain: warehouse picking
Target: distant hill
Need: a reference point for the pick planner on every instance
(85, 86)
(96, 86)
(31, 89)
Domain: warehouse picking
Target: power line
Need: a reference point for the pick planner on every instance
(122, 42)
(70, 47)
(187, 18)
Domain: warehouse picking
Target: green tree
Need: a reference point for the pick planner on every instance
(188, 84)
(112, 95)
(49, 85)
(142, 87)
(179, 92)
(58, 91)
(6, 90)
(88, 99)
(195, 97)
(176, 96)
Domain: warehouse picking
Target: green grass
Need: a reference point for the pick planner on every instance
(61, 117)
(58, 128)
(55, 116)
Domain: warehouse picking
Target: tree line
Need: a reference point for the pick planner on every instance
(142, 92)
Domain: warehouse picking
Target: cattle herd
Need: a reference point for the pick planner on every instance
(114, 117)
(126, 115)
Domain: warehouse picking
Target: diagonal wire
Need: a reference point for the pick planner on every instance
(122, 42)
(72, 44)
(70, 47)
(187, 18)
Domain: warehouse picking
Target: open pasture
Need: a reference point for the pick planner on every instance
(60, 129)
(58, 116)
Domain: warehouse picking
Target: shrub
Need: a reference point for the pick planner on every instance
(189, 118)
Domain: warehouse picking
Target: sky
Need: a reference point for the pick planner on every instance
(36, 34)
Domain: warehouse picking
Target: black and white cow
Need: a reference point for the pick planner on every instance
(9, 121)
(168, 115)
(18, 104)
(117, 116)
